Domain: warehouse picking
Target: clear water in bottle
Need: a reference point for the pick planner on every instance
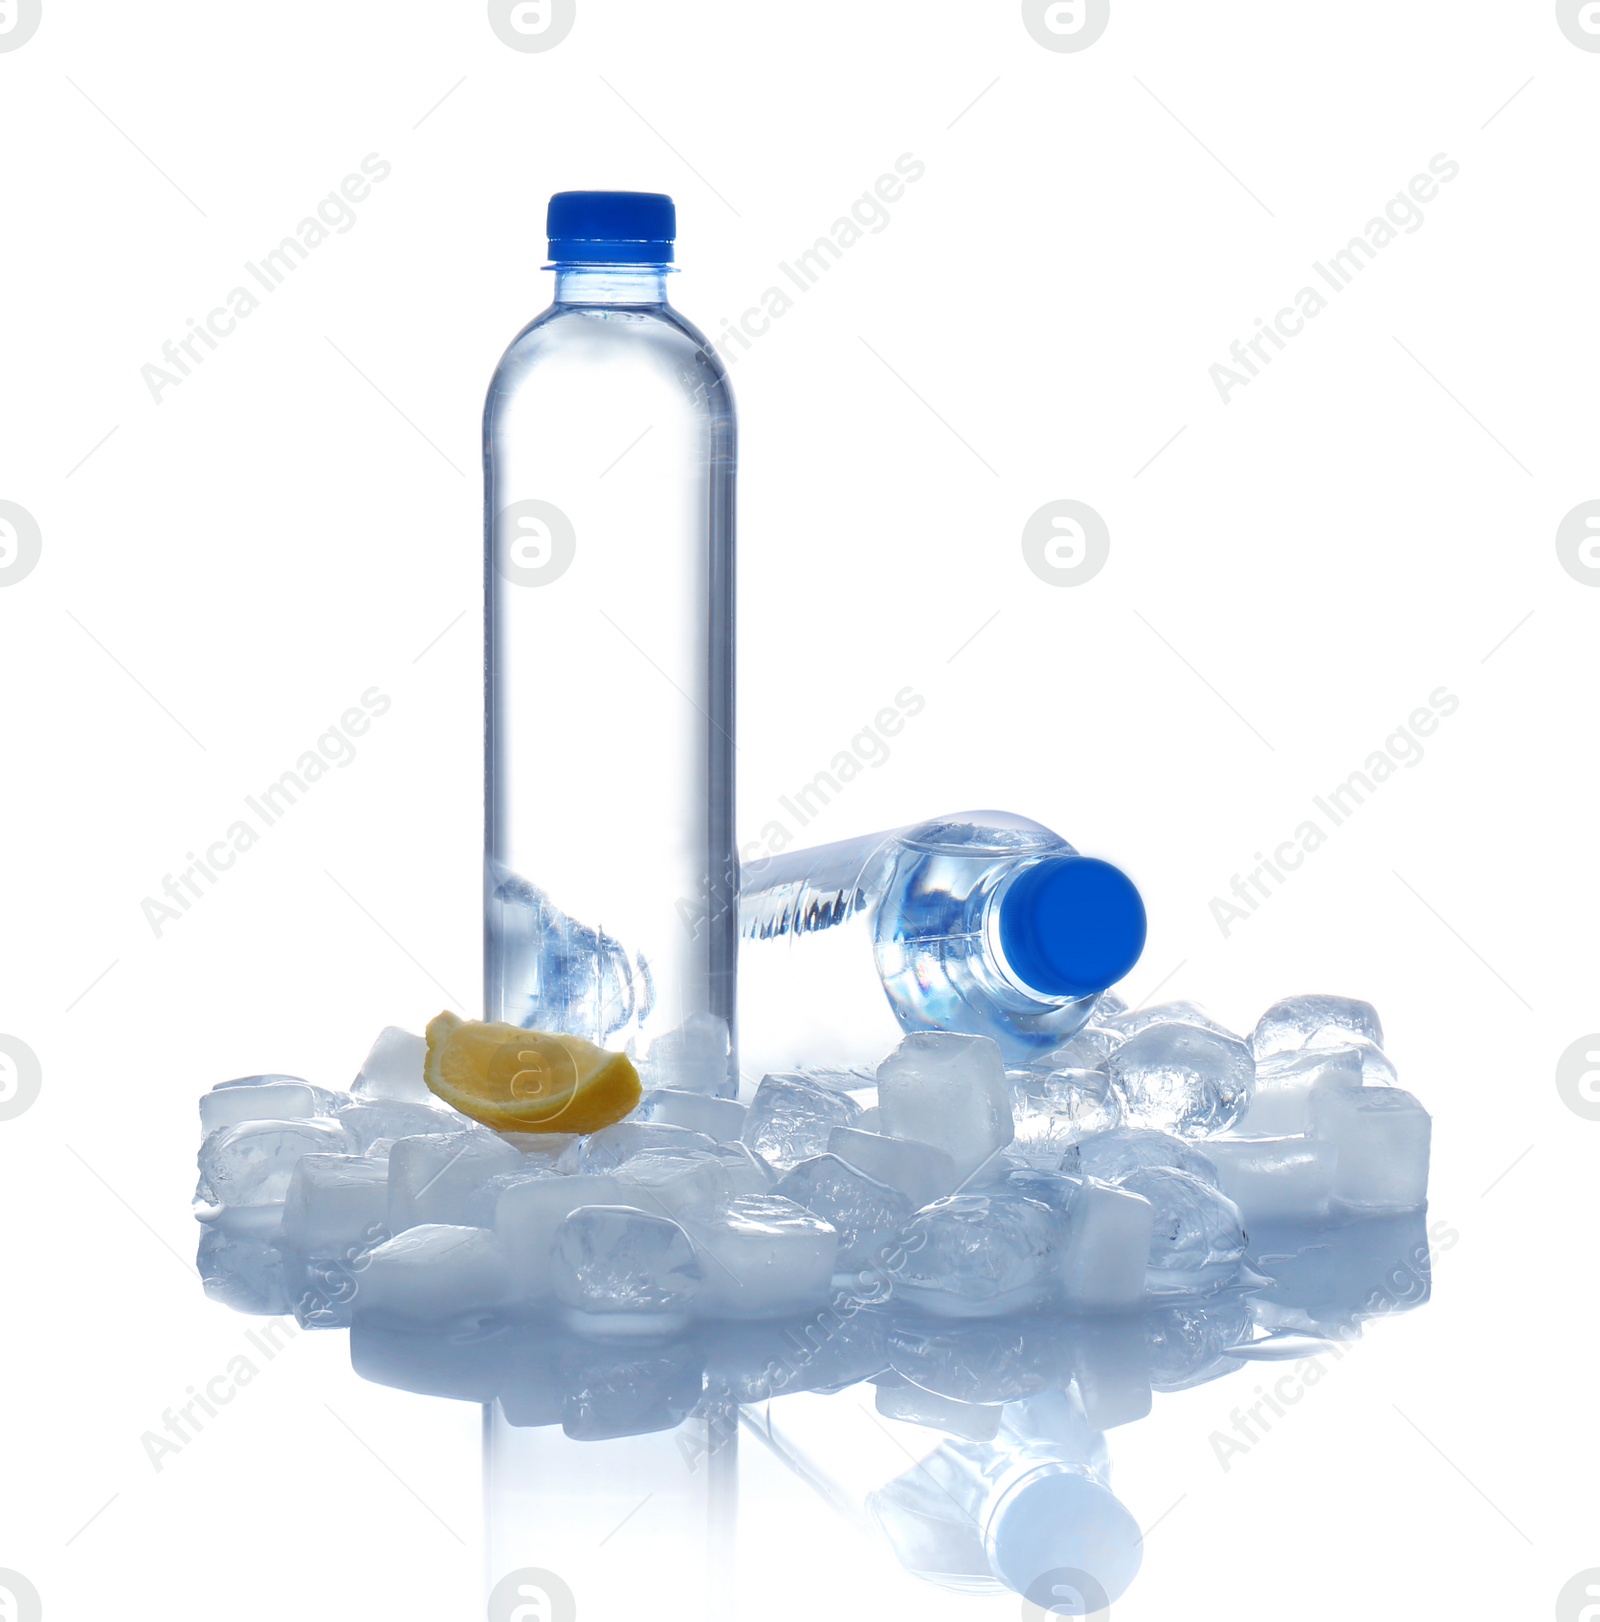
(984, 923)
(609, 456)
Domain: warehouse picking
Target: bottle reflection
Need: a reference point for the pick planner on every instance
(975, 1451)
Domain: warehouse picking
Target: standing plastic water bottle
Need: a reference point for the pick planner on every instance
(984, 923)
(609, 453)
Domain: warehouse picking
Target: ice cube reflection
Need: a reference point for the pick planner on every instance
(974, 1452)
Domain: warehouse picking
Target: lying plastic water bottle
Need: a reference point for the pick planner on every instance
(1030, 1509)
(984, 923)
(609, 447)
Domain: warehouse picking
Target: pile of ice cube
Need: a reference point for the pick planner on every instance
(1121, 1170)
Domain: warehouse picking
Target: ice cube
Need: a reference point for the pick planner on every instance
(1188, 1344)
(528, 1214)
(433, 1273)
(1056, 1189)
(861, 1085)
(1052, 1112)
(918, 1170)
(1286, 1179)
(250, 1164)
(693, 1059)
(1107, 1006)
(1110, 1370)
(950, 1091)
(370, 1121)
(541, 1145)
(614, 1392)
(1088, 1050)
(999, 1170)
(324, 1288)
(1287, 1083)
(1112, 1155)
(336, 1205)
(264, 1098)
(719, 1118)
(1133, 1020)
(442, 1178)
(636, 1270)
(1377, 1068)
(243, 1271)
(1330, 1275)
(979, 1255)
(1181, 1078)
(1294, 1021)
(1382, 1136)
(988, 1360)
(673, 1182)
(866, 1214)
(763, 1257)
(747, 1172)
(466, 1364)
(790, 1119)
(606, 1149)
(393, 1069)
(1107, 1249)
(972, 1421)
(1197, 1240)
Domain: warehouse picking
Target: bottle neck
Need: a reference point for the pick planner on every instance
(611, 284)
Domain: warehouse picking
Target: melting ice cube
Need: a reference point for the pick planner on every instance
(866, 1213)
(950, 1091)
(393, 1069)
(979, 1255)
(250, 1164)
(1294, 1021)
(632, 1267)
(1186, 1079)
(1382, 1136)
(1197, 1239)
(763, 1257)
(336, 1204)
(790, 1118)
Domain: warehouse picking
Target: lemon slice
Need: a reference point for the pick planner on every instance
(527, 1081)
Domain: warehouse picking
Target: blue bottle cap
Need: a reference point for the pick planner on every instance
(611, 228)
(1064, 1542)
(1071, 925)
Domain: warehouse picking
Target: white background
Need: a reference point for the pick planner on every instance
(1371, 519)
